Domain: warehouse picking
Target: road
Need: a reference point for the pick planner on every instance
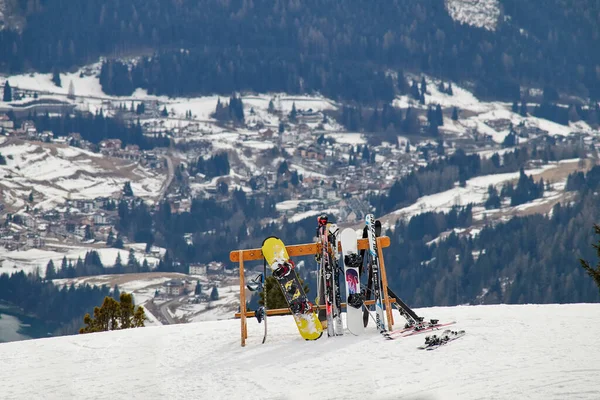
(165, 312)
(170, 175)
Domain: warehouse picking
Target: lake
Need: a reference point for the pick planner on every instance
(16, 326)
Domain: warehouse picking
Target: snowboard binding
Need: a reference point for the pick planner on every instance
(282, 268)
(301, 307)
(356, 300)
(353, 260)
(260, 314)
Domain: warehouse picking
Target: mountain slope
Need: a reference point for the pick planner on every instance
(509, 352)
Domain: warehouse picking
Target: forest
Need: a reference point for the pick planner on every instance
(344, 50)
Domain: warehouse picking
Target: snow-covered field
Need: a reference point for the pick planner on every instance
(57, 172)
(32, 259)
(479, 13)
(509, 352)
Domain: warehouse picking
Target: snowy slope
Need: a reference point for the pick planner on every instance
(479, 13)
(57, 172)
(510, 352)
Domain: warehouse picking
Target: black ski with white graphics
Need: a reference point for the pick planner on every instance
(333, 232)
(374, 260)
(368, 290)
(326, 273)
(436, 341)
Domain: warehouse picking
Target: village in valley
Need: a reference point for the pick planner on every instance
(60, 194)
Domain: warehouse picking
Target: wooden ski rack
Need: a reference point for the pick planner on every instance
(240, 256)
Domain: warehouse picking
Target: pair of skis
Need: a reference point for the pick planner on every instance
(328, 285)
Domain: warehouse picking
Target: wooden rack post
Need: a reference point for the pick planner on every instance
(239, 256)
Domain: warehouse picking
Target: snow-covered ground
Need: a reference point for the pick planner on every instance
(57, 172)
(479, 13)
(509, 352)
(32, 259)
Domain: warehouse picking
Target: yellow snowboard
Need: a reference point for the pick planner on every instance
(308, 323)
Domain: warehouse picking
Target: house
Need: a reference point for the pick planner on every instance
(174, 287)
(28, 127)
(34, 240)
(100, 219)
(215, 267)
(6, 122)
(80, 230)
(198, 269)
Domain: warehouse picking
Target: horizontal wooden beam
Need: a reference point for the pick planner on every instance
(285, 311)
(302, 249)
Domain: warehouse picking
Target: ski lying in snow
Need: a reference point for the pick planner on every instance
(354, 298)
(433, 342)
(283, 271)
(420, 328)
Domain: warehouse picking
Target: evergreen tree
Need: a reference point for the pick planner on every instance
(116, 294)
(455, 114)
(493, 200)
(50, 271)
(110, 239)
(119, 242)
(7, 92)
(523, 109)
(165, 113)
(71, 94)
(423, 86)
(132, 262)
(593, 272)
(56, 78)
(439, 115)
(281, 128)
(113, 315)
(198, 289)
(127, 191)
(118, 266)
(30, 197)
(293, 114)
(214, 294)
(515, 107)
(271, 109)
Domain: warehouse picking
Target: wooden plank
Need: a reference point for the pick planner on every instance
(298, 250)
(286, 311)
(244, 332)
(384, 283)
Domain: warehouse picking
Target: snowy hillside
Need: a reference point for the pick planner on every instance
(509, 352)
(56, 172)
(479, 13)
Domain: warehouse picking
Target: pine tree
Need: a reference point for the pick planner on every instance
(165, 113)
(214, 294)
(455, 114)
(30, 197)
(293, 114)
(50, 271)
(594, 273)
(56, 78)
(198, 289)
(439, 115)
(7, 92)
(132, 262)
(71, 94)
(118, 266)
(515, 107)
(110, 239)
(423, 86)
(116, 292)
(127, 191)
(523, 109)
